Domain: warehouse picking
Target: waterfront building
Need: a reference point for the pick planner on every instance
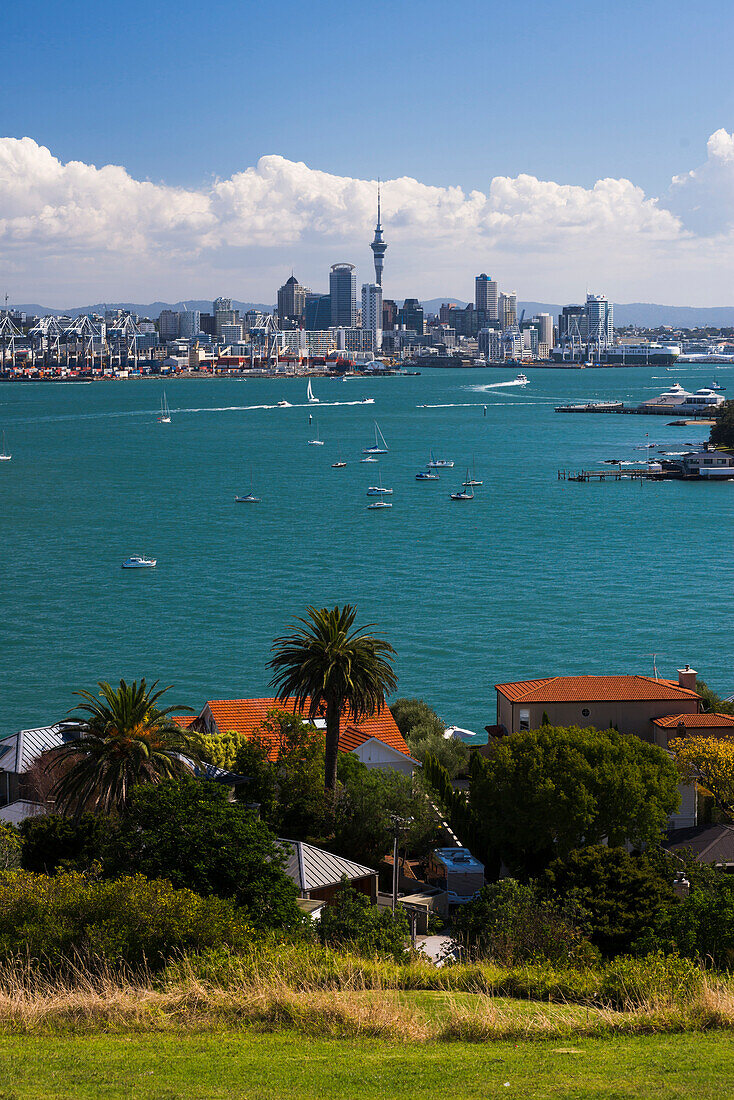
(291, 300)
(168, 324)
(354, 339)
(343, 294)
(372, 312)
(189, 323)
(389, 314)
(508, 309)
(599, 320)
(485, 297)
(378, 245)
(232, 333)
(317, 311)
(489, 344)
(411, 315)
(545, 335)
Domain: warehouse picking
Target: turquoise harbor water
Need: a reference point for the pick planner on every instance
(534, 577)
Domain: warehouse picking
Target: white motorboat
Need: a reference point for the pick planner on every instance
(439, 463)
(369, 458)
(522, 379)
(380, 504)
(4, 456)
(380, 446)
(249, 499)
(137, 561)
(165, 417)
(368, 401)
(309, 395)
(284, 405)
(426, 475)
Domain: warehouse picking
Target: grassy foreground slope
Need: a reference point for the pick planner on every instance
(270, 1067)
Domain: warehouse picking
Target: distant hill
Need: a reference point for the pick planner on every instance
(150, 309)
(631, 313)
(645, 314)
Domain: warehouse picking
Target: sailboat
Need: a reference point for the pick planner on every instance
(316, 442)
(380, 446)
(473, 479)
(439, 463)
(340, 464)
(378, 491)
(4, 456)
(250, 498)
(464, 494)
(309, 395)
(165, 417)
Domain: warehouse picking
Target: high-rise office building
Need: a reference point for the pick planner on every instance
(546, 329)
(389, 314)
(291, 300)
(378, 245)
(189, 323)
(508, 309)
(221, 304)
(317, 312)
(485, 297)
(168, 324)
(372, 312)
(411, 316)
(599, 319)
(343, 293)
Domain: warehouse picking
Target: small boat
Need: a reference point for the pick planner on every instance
(137, 561)
(369, 458)
(316, 442)
(249, 499)
(340, 464)
(522, 379)
(426, 475)
(715, 385)
(378, 491)
(284, 405)
(439, 463)
(470, 481)
(464, 494)
(165, 417)
(380, 446)
(380, 504)
(4, 456)
(367, 401)
(309, 395)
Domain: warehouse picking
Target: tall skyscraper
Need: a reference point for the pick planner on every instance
(372, 312)
(189, 323)
(600, 319)
(343, 292)
(508, 309)
(378, 245)
(317, 313)
(411, 315)
(546, 329)
(291, 300)
(485, 296)
(221, 304)
(169, 324)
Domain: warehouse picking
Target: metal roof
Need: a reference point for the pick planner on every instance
(311, 868)
(18, 811)
(19, 751)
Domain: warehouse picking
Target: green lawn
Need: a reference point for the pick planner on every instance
(267, 1067)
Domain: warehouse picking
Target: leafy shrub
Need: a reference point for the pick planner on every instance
(130, 919)
(410, 714)
(509, 924)
(700, 926)
(352, 922)
(52, 842)
(654, 979)
(613, 896)
(221, 749)
(10, 847)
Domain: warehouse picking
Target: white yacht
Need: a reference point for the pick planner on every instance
(284, 405)
(249, 499)
(137, 561)
(378, 491)
(316, 442)
(4, 456)
(380, 504)
(522, 379)
(369, 458)
(309, 395)
(426, 475)
(679, 401)
(466, 493)
(380, 446)
(439, 463)
(165, 417)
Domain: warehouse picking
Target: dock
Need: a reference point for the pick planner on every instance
(615, 473)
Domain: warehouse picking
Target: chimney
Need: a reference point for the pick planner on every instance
(687, 678)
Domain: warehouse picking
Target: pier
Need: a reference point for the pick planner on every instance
(616, 473)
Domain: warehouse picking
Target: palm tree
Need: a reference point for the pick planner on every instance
(121, 739)
(330, 669)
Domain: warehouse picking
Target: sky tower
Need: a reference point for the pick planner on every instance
(378, 246)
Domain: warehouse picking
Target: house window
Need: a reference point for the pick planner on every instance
(586, 712)
(524, 719)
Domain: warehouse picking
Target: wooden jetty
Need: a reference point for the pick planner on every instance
(615, 473)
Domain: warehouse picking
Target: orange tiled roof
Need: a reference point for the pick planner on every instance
(593, 689)
(695, 721)
(246, 715)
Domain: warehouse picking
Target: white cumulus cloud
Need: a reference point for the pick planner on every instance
(73, 231)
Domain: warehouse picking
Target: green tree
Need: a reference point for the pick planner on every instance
(412, 713)
(120, 739)
(699, 926)
(52, 842)
(424, 731)
(10, 847)
(367, 805)
(712, 702)
(187, 831)
(327, 666)
(351, 922)
(612, 894)
(722, 432)
(542, 793)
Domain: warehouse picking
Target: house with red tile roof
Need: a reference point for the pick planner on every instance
(376, 741)
(631, 704)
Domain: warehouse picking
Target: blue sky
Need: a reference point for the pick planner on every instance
(453, 96)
